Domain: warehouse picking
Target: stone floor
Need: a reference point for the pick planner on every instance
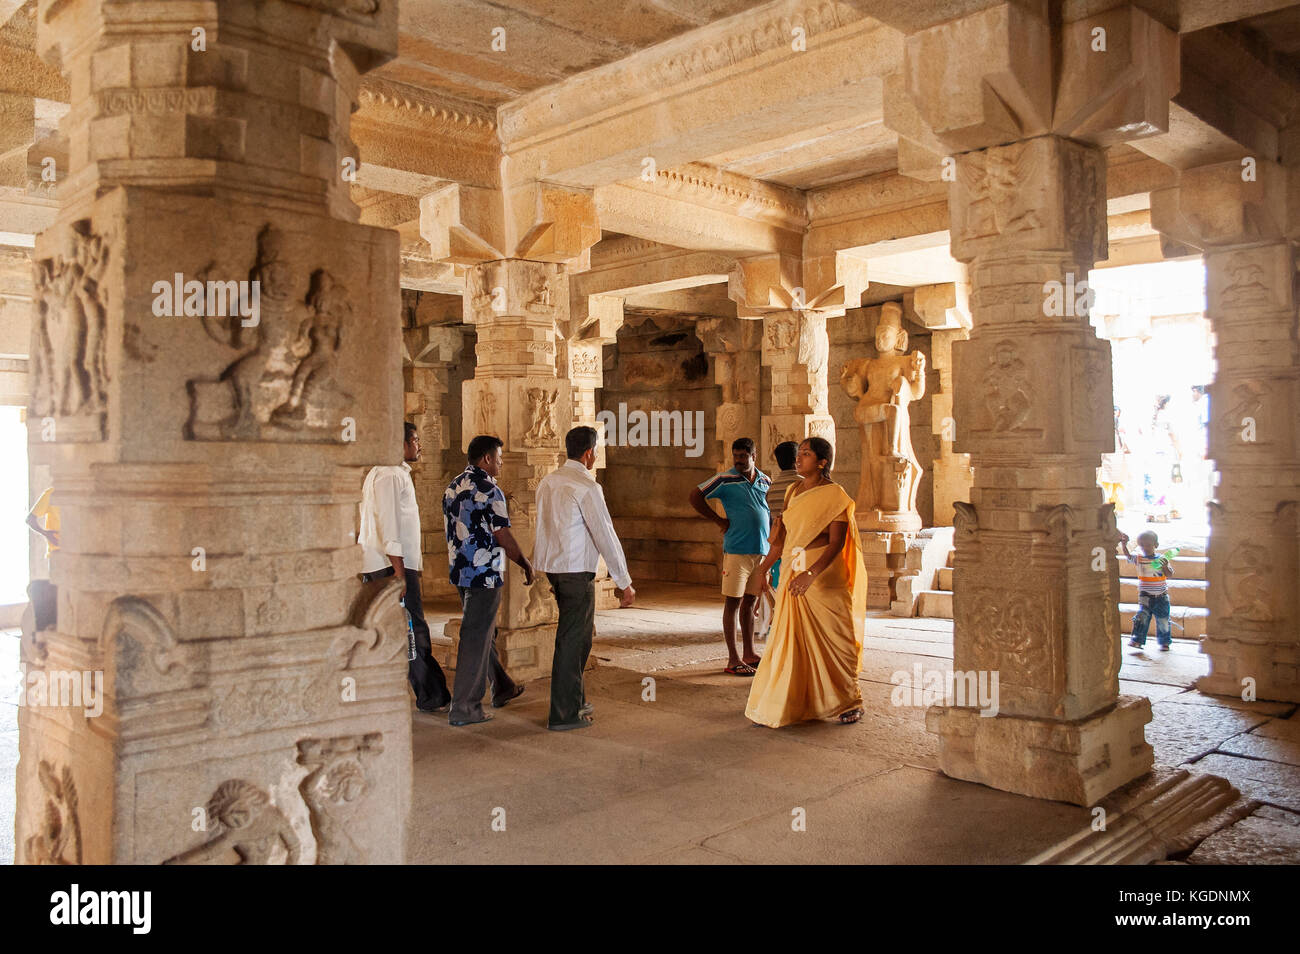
(686, 778)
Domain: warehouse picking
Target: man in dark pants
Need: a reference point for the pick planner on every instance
(573, 532)
(479, 542)
(390, 538)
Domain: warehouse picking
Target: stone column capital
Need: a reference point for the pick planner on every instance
(1007, 73)
(468, 224)
(1239, 202)
(1046, 194)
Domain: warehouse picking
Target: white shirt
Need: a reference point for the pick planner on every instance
(390, 518)
(573, 526)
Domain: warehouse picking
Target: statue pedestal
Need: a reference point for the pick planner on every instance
(889, 521)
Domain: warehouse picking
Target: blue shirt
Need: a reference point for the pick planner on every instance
(747, 511)
(474, 508)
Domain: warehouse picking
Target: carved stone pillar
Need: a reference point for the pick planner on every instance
(517, 395)
(952, 474)
(734, 345)
(582, 361)
(795, 350)
(1033, 392)
(1254, 545)
(434, 351)
(208, 461)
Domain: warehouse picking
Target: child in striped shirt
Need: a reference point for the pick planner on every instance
(1154, 573)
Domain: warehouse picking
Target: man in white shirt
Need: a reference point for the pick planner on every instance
(390, 538)
(573, 531)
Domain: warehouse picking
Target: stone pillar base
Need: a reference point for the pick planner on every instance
(1077, 762)
(1275, 669)
(606, 597)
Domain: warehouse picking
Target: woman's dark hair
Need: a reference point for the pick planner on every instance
(822, 448)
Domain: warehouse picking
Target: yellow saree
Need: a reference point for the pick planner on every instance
(814, 649)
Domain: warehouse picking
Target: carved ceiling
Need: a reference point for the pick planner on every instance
(448, 45)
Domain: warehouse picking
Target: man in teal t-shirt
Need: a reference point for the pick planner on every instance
(742, 491)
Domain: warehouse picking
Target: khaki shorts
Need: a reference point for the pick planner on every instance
(736, 568)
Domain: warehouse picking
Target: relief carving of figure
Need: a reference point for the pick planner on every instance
(246, 823)
(884, 387)
(539, 292)
(333, 789)
(1007, 392)
(486, 412)
(279, 388)
(58, 842)
(1004, 186)
(541, 414)
(1250, 591)
(69, 359)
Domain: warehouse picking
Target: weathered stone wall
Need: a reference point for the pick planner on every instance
(660, 364)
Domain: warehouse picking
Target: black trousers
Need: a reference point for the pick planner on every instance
(423, 671)
(426, 676)
(477, 662)
(575, 594)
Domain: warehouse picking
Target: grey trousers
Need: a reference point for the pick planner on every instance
(575, 594)
(477, 662)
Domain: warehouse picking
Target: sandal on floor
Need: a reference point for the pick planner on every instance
(744, 669)
(850, 717)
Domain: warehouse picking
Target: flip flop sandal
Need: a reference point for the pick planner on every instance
(744, 669)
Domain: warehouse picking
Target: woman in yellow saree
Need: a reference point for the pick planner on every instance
(814, 649)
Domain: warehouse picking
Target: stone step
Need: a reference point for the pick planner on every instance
(1181, 592)
(945, 578)
(951, 555)
(1192, 619)
(1186, 568)
(934, 604)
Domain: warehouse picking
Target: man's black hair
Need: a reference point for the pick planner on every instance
(580, 440)
(409, 430)
(745, 444)
(785, 453)
(483, 445)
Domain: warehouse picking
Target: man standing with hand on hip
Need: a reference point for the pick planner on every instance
(573, 531)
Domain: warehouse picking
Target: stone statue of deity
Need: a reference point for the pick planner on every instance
(884, 386)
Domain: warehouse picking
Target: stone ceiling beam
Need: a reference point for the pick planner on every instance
(1183, 16)
(625, 267)
(703, 208)
(396, 126)
(718, 88)
(1230, 104)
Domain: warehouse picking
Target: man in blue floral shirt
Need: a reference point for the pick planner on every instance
(479, 542)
